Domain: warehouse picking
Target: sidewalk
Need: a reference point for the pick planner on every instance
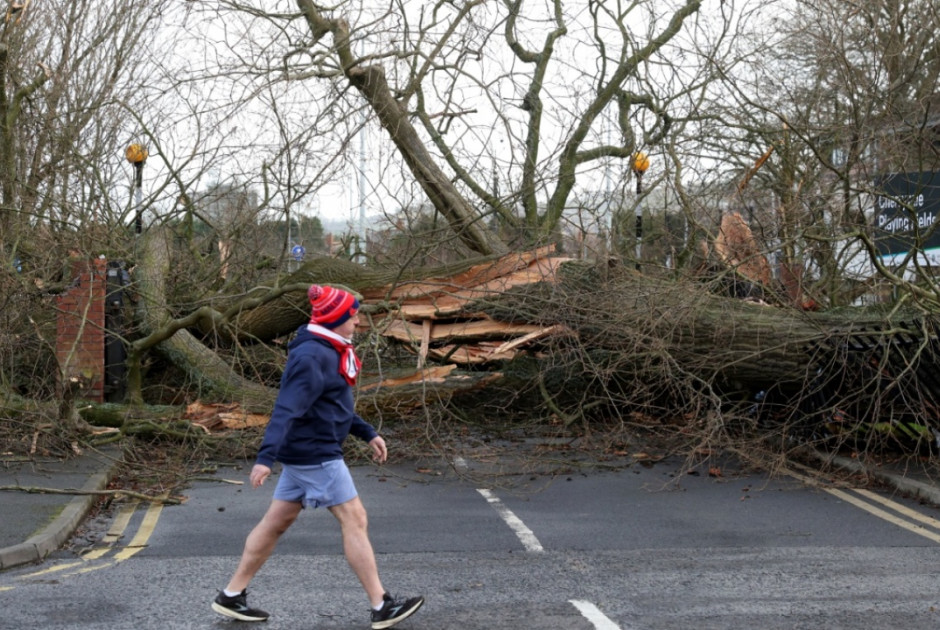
(909, 481)
(34, 524)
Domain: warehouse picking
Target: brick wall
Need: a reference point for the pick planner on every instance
(80, 332)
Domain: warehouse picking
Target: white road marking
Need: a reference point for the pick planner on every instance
(593, 614)
(529, 541)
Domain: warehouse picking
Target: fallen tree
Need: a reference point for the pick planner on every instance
(551, 337)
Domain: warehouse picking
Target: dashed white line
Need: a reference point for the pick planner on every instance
(528, 539)
(593, 614)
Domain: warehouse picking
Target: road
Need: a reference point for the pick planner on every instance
(638, 548)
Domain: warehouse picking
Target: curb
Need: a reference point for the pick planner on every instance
(917, 489)
(51, 537)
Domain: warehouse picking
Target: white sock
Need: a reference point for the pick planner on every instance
(229, 593)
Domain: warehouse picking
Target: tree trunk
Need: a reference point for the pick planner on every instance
(280, 311)
(638, 341)
(213, 378)
(672, 348)
(372, 84)
(275, 314)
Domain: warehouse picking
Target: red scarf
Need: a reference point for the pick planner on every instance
(349, 363)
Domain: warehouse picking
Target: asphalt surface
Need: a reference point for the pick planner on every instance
(44, 501)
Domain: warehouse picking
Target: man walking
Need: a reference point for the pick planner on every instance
(312, 416)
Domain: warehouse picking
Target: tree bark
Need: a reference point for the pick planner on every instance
(717, 338)
(212, 377)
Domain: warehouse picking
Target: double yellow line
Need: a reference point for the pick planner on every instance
(90, 560)
(900, 515)
(903, 516)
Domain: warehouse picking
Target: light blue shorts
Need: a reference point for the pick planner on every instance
(320, 485)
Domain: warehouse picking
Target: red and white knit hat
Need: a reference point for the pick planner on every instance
(330, 307)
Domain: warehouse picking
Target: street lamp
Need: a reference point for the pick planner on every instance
(136, 154)
(639, 165)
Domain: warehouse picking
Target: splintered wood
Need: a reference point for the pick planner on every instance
(219, 416)
(436, 320)
(737, 248)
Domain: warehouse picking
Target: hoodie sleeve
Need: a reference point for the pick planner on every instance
(362, 429)
(301, 385)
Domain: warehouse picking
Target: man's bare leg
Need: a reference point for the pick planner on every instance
(261, 541)
(357, 547)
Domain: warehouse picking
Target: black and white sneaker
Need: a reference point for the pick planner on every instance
(237, 607)
(394, 611)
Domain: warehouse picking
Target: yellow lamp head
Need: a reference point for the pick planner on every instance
(136, 154)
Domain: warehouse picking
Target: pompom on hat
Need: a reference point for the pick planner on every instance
(330, 307)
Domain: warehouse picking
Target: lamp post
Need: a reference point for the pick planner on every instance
(136, 154)
(640, 163)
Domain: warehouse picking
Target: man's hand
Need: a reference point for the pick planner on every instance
(379, 450)
(259, 473)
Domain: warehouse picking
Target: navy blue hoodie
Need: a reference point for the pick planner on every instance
(314, 410)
